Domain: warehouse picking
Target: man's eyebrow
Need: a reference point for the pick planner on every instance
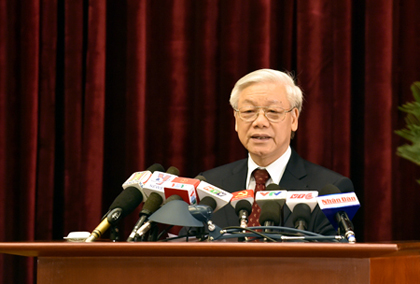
(270, 102)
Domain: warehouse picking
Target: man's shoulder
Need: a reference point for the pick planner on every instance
(317, 176)
(317, 169)
(305, 167)
(225, 170)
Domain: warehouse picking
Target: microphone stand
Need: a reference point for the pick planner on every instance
(114, 233)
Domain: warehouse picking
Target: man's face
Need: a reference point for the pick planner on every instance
(266, 141)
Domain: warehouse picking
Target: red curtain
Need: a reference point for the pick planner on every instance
(92, 91)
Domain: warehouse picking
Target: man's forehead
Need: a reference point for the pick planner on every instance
(259, 100)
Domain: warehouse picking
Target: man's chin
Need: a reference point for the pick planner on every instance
(260, 153)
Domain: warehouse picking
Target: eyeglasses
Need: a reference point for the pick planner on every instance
(272, 113)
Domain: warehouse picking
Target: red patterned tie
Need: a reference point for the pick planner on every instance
(261, 177)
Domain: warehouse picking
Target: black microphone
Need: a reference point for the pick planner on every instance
(270, 213)
(124, 204)
(304, 202)
(146, 226)
(271, 202)
(242, 203)
(150, 205)
(153, 202)
(173, 171)
(301, 216)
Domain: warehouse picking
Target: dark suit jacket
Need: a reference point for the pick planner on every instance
(299, 175)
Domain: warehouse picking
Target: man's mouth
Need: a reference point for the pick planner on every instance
(260, 137)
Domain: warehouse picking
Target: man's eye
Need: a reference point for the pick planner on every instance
(248, 111)
(274, 111)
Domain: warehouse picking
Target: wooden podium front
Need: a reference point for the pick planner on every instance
(103, 262)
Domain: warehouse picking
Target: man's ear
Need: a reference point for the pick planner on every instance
(295, 117)
(236, 120)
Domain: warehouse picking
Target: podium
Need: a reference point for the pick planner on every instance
(220, 262)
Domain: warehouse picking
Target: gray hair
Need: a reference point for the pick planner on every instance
(294, 93)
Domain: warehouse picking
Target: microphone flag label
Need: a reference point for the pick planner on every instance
(138, 178)
(338, 200)
(243, 194)
(219, 195)
(306, 197)
(184, 187)
(246, 194)
(334, 203)
(261, 197)
(155, 183)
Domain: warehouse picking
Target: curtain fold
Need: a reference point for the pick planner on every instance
(323, 60)
(92, 91)
(379, 114)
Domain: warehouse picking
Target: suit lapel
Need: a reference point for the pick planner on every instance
(294, 173)
(237, 180)
(293, 179)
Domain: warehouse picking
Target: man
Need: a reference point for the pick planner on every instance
(266, 105)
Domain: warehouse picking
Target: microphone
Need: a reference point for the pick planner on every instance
(301, 204)
(203, 211)
(242, 203)
(154, 191)
(184, 187)
(138, 179)
(207, 191)
(124, 204)
(146, 226)
(271, 203)
(156, 181)
(270, 213)
(211, 199)
(301, 216)
(339, 208)
(150, 205)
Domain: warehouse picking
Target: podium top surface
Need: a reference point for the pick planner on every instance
(208, 249)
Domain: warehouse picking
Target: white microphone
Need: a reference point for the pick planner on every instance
(155, 184)
(153, 190)
(138, 179)
(206, 191)
(242, 203)
(184, 187)
(271, 204)
(301, 204)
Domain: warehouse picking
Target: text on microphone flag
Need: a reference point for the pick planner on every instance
(338, 200)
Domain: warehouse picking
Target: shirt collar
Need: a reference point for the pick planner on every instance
(275, 169)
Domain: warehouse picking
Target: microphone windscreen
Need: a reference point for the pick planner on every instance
(127, 200)
(209, 202)
(201, 178)
(329, 189)
(243, 205)
(273, 186)
(200, 212)
(152, 203)
(270, 211)
(173, 197)
(302, 211)
(156, 167)
(172, 170)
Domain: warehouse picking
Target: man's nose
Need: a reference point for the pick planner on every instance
(261, 118)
